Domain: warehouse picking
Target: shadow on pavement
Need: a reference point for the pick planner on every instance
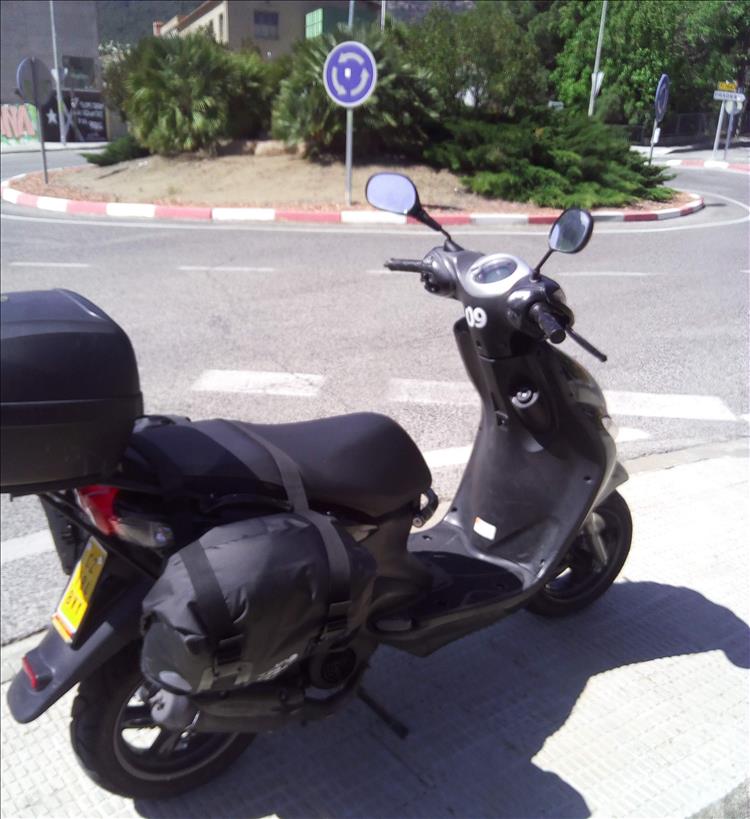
(478, 712)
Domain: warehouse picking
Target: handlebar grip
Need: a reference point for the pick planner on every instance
(548, 324)
(407, 265)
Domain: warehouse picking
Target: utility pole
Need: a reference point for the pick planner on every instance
(351, 14)
(58, 83)
(595, 76)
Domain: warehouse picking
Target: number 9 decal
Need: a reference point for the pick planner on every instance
(476, 317)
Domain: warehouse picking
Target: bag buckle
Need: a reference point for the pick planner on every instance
(228, 650)
(336, 621)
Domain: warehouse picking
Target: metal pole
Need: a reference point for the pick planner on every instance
(349, 135)
(653, 134)
(729, 132)
(58, 84)
(39, 118)
(349, 127)
(718, 131)
(382, 15)
(597, 58)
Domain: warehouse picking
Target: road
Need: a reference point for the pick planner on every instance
(668, 302)
(638, 707)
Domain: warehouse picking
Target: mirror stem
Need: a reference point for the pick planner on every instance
(426, 219)
(535, 272)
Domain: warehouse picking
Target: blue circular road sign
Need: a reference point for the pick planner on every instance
(662, 97)
(350, 74)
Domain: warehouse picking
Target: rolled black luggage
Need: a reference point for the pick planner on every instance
(269, 609)
(249, 600)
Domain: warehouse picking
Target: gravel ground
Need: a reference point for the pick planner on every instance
(263, 181)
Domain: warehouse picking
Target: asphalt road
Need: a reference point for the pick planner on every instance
(668, 302)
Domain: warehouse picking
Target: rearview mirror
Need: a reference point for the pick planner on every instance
(393, 192)
(571, 231)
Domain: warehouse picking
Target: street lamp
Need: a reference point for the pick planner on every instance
(597, 76)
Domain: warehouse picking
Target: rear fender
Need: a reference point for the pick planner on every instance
(58, 666)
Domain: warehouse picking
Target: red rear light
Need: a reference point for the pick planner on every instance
(29, 672)
(98, 502)
(38, 678)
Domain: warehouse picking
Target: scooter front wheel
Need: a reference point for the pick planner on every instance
(591, 565)
(122, 749)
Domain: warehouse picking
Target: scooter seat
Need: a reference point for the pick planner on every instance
(364, 461)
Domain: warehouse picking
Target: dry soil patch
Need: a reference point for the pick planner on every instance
(262, 181)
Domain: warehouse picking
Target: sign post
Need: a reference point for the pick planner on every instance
(732, 107)
(723, 95)
(349, 76)
(661, 99)
(34, 84)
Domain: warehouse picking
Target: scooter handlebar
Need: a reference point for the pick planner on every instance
(407, 265)
(547, 323)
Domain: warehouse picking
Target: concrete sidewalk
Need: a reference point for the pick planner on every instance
(637, 707)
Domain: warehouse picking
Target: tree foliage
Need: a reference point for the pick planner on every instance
(484, 57)
(187, 93)
(398, 119)
(696, 43)
(556, 159)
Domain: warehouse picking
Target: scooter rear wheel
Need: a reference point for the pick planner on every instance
(122, 749)
(587, 572)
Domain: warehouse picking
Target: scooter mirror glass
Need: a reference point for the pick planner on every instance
(393, 192)
(572, 231)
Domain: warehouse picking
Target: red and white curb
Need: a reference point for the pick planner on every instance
(143, 210)
(708, 164)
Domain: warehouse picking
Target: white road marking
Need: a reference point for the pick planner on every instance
(647, 404)
(415, 391)
(625, 434)
(26, 546)
(48, 264)
(459, 455)
(613, 273)
(452, 456)
(259, 383)
(664, 405)
(225, 269)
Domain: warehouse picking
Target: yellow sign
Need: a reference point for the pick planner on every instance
(727, 86)
(75, 601)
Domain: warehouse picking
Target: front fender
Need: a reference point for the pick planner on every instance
(58, 666)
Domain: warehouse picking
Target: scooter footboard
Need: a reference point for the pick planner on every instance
(56, 666)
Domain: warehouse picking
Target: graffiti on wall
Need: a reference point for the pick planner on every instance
(19, 124)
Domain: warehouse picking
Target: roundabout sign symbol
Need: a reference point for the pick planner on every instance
(350, 74)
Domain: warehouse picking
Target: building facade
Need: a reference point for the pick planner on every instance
(26, 31)
(271, 26)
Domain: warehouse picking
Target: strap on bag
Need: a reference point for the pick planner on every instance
(233, 438)
(213, 610)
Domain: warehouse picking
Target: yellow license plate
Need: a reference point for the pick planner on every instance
(77, 596)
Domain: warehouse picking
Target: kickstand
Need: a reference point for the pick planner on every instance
(397, 727)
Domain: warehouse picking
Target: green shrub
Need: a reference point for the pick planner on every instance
(188, 93)
(554, 159)
(249, 94)
(119, 150)
(483, 53)
(398, 119)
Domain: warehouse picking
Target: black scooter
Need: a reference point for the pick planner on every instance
(536, 523)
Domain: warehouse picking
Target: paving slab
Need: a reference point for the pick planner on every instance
(636, 707)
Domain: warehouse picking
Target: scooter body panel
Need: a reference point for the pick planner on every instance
(59, 666)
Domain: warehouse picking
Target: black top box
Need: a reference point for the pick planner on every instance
(69, 391)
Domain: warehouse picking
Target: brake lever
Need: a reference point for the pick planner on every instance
(587, 345)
